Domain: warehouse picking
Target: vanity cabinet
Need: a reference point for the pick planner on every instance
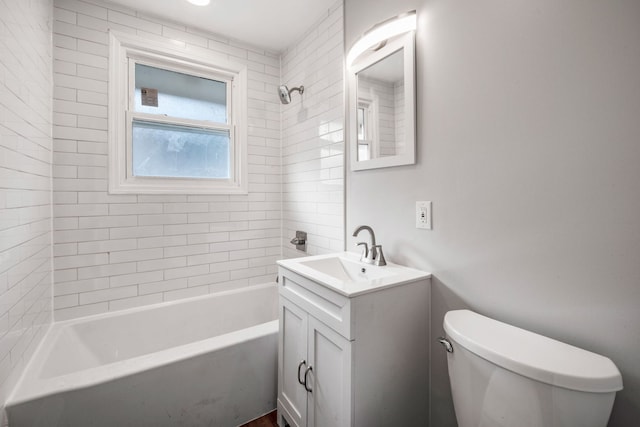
(315, 383)
(352, 359)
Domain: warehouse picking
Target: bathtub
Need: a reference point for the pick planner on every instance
(207, 361)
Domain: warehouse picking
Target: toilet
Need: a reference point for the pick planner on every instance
(504, 376)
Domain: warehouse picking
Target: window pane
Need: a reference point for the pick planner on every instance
(161, 150)
(363, 152)
(179, 95)
(361, 128)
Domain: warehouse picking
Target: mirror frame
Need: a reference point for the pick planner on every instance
(405, 41)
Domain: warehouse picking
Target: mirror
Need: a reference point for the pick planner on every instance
(382, 105)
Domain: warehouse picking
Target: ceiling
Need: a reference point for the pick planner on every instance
(271, 24)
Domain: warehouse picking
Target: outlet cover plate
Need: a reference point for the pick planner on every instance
(423, 215)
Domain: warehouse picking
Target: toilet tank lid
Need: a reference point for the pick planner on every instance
(532, 355)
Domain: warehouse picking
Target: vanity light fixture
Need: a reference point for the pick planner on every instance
(199, 2)
(380, 33)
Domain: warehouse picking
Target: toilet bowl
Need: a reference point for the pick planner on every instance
(503, 376)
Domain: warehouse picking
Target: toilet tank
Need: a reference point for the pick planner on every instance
(504, 376)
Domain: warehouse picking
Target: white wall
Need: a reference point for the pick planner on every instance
(118, 251)
(528, 147)
(25, 184)
(312, 138)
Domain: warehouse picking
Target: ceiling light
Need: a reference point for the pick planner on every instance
(199, 2)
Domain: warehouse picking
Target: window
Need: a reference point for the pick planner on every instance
(367, 137)
(176, 121)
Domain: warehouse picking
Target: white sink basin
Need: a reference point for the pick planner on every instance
(345, 273)
(346, 270)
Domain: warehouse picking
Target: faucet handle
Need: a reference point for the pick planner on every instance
(300, 241)
(365, 252)
(379, 257)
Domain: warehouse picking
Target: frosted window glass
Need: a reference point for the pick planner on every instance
(161, 150)
(363, 152)
(361, 127)
(181, 95)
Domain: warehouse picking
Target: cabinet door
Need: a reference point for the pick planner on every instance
(292, 350)
(330, 379)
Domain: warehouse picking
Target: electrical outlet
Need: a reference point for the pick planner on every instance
(423, 215)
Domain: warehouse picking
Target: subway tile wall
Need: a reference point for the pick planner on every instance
(400, 142)
(25, 183)
(113, 252)
(313, 138)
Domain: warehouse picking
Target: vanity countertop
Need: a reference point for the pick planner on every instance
(345, 274)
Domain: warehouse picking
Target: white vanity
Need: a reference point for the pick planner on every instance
(353, 343)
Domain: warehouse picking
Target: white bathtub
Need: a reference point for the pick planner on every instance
(208, 361)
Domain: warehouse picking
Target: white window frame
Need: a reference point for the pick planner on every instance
(125, 51)
(370, 107)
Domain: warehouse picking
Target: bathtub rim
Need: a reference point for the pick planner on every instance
(162, 304)
(30, 386)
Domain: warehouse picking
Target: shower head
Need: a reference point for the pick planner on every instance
(285, 93)
(285, 96)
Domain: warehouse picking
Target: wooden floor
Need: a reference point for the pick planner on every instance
(269, 420)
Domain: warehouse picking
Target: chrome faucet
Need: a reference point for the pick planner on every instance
(374, 255)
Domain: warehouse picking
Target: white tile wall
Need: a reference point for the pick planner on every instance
(400, 144)
(25, 183)
(119, 251)
(313, 138)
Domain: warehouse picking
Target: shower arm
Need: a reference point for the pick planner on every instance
(300, 90)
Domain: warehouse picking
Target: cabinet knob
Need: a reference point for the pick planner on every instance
(302, 362)
(306, 373)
